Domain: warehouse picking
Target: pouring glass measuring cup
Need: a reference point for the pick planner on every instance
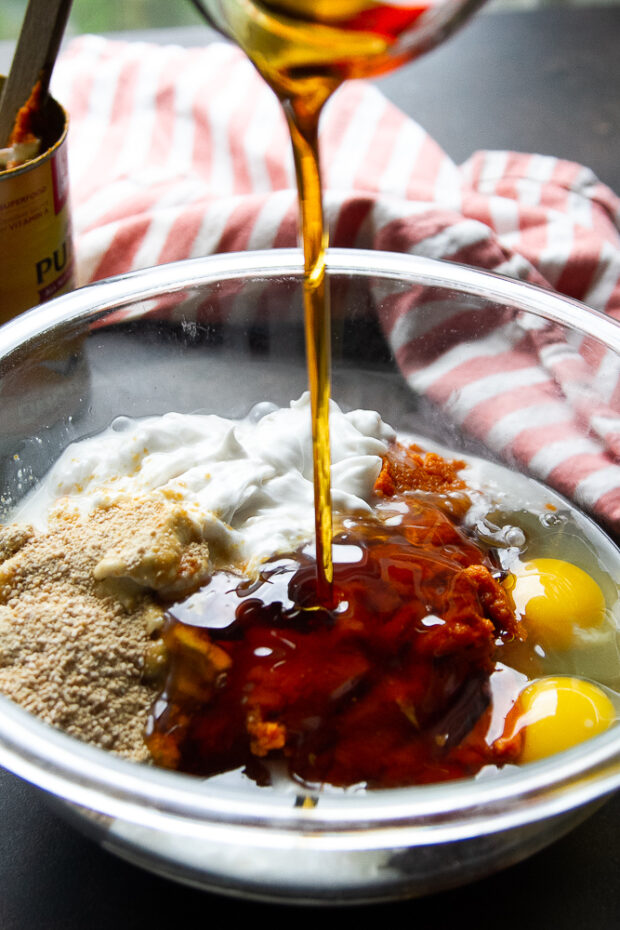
(308, 47)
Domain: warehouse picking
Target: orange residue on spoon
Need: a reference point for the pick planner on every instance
(24, 127)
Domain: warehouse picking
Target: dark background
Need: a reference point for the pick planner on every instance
(51, 878)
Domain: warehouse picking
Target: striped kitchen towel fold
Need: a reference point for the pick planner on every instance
(177, 153)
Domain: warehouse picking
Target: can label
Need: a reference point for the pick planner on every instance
(36, 248)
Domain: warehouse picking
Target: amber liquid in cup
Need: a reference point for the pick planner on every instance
(305, 49)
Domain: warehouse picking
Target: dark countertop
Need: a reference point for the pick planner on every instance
(51, 878)
(545, 81)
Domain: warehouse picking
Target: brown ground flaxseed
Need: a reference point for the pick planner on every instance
(79, 622)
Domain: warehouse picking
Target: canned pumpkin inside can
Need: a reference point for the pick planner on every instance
(36, 248)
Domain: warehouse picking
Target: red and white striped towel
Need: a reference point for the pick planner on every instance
(177, 153)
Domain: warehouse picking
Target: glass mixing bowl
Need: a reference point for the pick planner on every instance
(218, 335)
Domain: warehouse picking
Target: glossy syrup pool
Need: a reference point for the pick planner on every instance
(408, 676)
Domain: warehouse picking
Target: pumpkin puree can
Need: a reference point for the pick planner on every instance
(36, 249)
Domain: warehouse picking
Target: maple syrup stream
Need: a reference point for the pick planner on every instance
(305, 49)
(317, 330)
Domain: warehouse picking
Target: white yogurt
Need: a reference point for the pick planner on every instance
(246, 483)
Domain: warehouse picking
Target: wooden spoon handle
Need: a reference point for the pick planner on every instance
(37, 47)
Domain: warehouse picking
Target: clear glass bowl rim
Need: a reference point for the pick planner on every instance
(156, 798)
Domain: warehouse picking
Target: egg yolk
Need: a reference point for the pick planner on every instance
(553, 714)
(554, 598)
